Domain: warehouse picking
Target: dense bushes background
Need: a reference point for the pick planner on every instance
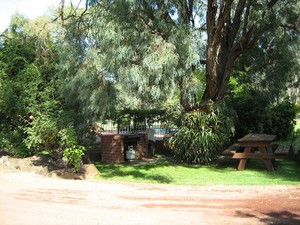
(257, 114)
(34, 116)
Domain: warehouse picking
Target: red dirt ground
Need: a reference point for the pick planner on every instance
(35, 200)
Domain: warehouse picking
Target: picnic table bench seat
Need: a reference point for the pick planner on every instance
(230, 151)
(279, 153)
(282, 151)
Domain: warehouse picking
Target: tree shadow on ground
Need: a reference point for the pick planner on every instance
(284, 169)
(153, 171)
(133, 171)
(274, 217)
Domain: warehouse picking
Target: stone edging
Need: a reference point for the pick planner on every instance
(34, 165)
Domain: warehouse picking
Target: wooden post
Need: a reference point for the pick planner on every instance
(243, 162)
(267, 162)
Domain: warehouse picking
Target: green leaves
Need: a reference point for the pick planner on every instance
(138, 51)
(33, 116)
(202, 135)
(257, 114)
(74, 155)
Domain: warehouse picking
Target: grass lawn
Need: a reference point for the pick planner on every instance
(223, 173)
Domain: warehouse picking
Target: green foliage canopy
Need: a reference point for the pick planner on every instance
(123, 53)
(147, 50)
(33, 116)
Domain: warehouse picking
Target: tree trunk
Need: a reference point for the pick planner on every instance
(218, 69)
(224, 45)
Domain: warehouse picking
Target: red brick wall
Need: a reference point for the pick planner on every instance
(112, 148)
(141, 148)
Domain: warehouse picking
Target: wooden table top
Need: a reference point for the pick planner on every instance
(258, 138)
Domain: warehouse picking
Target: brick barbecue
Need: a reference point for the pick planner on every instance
(113, 147)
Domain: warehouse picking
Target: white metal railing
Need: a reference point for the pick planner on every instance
(155, 131)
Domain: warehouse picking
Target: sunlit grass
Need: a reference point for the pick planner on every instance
(223, 173)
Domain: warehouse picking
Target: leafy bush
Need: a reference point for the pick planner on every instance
(51, 133)
(74, 155)
(250, 108)
(202, 135)
(42, 133)
(279, 119)
(256, 114)
(12, 142)
(34, 116)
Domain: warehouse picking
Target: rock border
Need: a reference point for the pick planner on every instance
(47, 167)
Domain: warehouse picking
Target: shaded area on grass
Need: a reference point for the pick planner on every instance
(223, 173)
(285, 170)
(132, 172)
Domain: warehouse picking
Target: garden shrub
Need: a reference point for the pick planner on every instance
(279, 119)
(202, 135)
(42, 133)
(12, 142)
(74, 155)
(251, 108)
(257, 114)
(50, 132)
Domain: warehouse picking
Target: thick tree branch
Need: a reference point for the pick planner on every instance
(166, 16)
(246, 17)
(237, 20)
(222, 19)
(154, 30)
(295, 27)
(272, 3)
(190, 11)
(72, 13)
(212, 8)
(148, 10)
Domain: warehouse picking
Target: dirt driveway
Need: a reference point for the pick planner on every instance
(35, 200)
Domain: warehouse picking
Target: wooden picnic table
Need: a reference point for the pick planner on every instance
(263, 143)
(254, 146)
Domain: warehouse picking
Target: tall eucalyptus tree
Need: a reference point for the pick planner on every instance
(151, 47)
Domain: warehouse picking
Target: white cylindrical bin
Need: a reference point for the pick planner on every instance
(130, 153)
